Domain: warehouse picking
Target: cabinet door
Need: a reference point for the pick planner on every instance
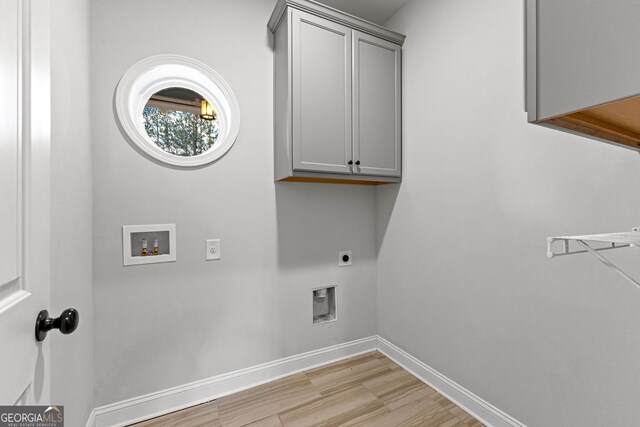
(376, 106)
(583, 53)
(321, 94)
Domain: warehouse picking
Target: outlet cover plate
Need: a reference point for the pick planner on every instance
(345, 255)
(212, 249)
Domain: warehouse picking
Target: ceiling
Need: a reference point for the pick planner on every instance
(377, 11)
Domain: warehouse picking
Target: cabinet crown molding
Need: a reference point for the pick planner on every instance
(334, 15)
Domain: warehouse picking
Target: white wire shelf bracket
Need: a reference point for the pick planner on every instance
(612, 241)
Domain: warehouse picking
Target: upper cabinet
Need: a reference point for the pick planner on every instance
(582, 63)
(337, 96)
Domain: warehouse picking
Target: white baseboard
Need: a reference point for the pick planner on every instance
(480, 409)
(173, 399)
(180, 397)
(91, 422)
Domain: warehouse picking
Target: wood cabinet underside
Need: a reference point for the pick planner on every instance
(617, 122)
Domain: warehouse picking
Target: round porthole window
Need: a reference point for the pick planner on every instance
(177, 110)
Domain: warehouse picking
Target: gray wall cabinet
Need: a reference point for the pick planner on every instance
(582, 61)
(337, 96)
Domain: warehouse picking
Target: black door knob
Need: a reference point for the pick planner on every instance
(67, 323)
(358, 163)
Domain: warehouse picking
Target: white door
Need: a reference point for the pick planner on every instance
(24, 199)
(321, 94)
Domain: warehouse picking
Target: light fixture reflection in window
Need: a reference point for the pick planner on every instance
(206, 111)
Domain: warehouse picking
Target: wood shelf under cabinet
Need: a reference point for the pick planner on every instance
(334, 181)
(617, 122)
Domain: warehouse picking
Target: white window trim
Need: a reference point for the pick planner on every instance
(159, 72)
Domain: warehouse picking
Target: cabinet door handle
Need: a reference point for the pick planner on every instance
(358, 163)
(350, 162)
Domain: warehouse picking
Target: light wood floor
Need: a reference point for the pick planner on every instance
(367, 390)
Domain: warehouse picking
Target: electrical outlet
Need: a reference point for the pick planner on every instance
(213, 249)
(345, 259)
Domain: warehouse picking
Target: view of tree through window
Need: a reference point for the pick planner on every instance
(172, 121)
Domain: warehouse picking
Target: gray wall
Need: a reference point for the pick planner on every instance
(72, 355)
(463, 281)
(158, 326)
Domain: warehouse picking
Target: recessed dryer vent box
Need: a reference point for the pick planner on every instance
(324, 305)
(160, 242)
